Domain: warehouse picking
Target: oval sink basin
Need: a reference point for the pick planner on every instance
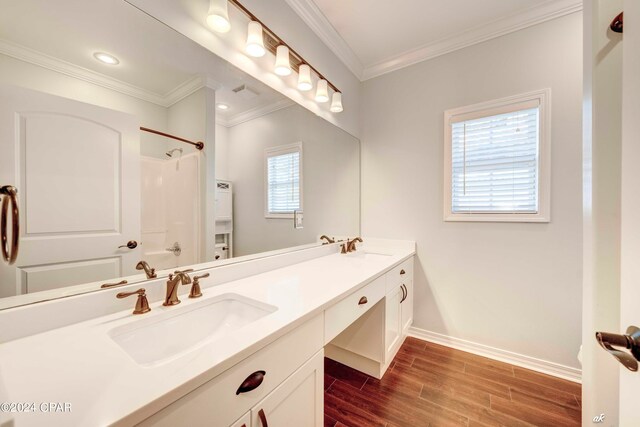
(158, 339)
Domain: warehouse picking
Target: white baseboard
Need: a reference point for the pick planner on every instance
(528, 362)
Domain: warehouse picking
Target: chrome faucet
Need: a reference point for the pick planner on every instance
(350, 245)
(178, 277)
(150, 272)
(328, 239)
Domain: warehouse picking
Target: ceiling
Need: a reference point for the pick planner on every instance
(373, 38)
(156, 63)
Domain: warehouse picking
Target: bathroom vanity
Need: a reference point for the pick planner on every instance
(248, 352)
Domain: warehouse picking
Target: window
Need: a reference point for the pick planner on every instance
(283, 181)
(497, 160)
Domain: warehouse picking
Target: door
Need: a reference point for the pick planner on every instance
(630, 195)
(299, 401)
(77, 168)
(393, 322)
(407, 307)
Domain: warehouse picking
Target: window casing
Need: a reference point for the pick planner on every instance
(283, 181)
(496, 160)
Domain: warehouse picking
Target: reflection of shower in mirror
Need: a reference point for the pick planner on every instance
(170, 152)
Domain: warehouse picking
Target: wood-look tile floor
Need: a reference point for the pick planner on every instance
(432, 385)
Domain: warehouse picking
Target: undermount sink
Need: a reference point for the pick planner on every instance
(155, 340)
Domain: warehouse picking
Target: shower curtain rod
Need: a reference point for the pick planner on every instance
(199, 145)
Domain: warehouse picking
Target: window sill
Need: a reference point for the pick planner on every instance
(476, 217)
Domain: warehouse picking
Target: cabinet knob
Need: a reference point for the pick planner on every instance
(402, 272)
(252, 382)
(363, 300)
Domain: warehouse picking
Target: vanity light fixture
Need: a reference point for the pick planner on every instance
(283, 62)
(261, 38)
(336, 103)
(218, 16)
(105, 58)
(255, 40)
(322, 93)
(304, 78)
(222, 106)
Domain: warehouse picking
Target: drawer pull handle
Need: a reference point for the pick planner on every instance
(252, 382)
(402, 272)
(363, 300)
(263, 418)
(405, 293)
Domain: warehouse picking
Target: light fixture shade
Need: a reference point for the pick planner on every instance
(255, 40)
(304, 78)
(283, 64)
(336, 103)
(322, 92)
(218, 16)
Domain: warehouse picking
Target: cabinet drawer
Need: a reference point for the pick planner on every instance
(339, 316)
(216, 403)
(400, 274)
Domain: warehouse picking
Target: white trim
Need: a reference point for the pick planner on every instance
(254, 113)
(320, 25)
(521, 360)
(51, 63)
(276, 151)
(543, 98)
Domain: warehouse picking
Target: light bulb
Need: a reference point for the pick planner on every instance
(283, 65)
(322, 94)
(218, 16)
(106, 58)
(304, 78)
(255, 40)
(336, 103)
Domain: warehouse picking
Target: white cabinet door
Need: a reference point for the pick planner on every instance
(224, 201)
(393, 323)
(77, 170)
(406, 307)
(299, 401)
(245, 421)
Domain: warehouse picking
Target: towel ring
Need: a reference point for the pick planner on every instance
(10, 193)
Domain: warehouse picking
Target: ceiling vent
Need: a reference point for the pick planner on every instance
(246, 92)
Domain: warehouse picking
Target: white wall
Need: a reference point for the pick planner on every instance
(602, 162)
(514, 287)
(330, 180)
(222, 152)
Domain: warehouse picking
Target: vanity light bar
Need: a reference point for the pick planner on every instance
(272, 41)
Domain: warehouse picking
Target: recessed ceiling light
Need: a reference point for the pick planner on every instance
(106, 58)
(222, 106)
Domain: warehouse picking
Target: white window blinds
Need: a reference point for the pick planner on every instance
(283, 182)
(495, 161)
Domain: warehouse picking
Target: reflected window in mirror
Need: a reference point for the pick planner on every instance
(283, 180)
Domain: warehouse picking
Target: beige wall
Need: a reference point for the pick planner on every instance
(509, 286)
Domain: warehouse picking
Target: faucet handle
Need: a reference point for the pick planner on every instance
(195, 288)
(142, 304)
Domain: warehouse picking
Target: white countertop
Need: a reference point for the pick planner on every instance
(81, 365)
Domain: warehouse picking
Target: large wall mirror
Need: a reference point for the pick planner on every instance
(101, 109)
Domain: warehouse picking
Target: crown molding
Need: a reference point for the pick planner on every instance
(500, 27)
(254, 113)
(310, 13)
(51, 63)
(320, 25)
